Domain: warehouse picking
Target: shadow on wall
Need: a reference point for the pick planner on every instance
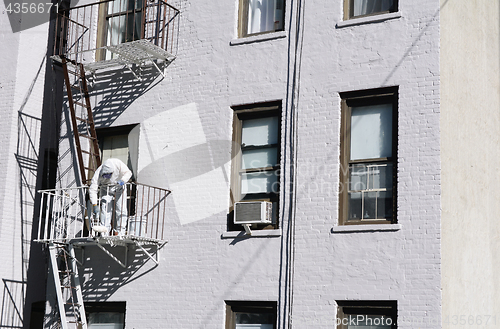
(14, 291)
(28, 140)
(103, 276)
(111, 93)
(115, 91)
(174, 152)
(11, 315)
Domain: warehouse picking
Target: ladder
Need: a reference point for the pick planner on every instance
(67, 283)
(82, 119)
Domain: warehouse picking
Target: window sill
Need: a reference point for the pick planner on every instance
(369, 19)
(366, 228)
(255, 234)
(258, 38)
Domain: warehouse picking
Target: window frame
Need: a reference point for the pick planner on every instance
(349, 10)
(364, 98)
(233, 307)
(248, 112)
(388, 308)
(243, 20)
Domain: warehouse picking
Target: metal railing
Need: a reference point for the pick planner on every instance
(84, 32)
(67, 213)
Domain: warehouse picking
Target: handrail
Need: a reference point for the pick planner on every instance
(86, 187)
(72, 21)
(90, 4)
(66, 213)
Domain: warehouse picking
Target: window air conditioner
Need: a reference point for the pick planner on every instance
(255, 212)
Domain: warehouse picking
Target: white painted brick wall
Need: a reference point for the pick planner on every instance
(7, 197)
(402, 265)
(198, 269)
(21, 90)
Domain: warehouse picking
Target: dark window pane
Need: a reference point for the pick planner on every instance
(112, 318)
(254, 318)
(355, 205)
(381, 176)
(368, 7)
(384, 205)
(358, 177)
(369, 207)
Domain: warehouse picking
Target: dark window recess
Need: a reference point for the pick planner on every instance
(105, 315)
(261, 314)
(367, 314)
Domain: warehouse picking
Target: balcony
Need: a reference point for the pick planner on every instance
(66, 216)
(111, 33)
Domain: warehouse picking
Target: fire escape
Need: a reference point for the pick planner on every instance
(129, 35)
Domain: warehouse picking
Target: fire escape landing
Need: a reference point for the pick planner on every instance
(66, 222)
(117, 33)
(114, 34)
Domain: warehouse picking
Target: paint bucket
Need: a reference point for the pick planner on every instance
(137, 226)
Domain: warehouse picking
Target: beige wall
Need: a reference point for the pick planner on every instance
(470, 136)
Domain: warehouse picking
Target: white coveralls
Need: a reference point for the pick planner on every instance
(109, 190)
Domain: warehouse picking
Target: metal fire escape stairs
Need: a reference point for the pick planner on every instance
(62, 223)
(67, 285)
(63, 261)
(82, 119)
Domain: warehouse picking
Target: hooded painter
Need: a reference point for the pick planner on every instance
(107, 186)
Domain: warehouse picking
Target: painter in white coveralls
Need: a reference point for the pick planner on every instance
(109, 181)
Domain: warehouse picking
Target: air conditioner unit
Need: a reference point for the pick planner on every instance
(254, 212)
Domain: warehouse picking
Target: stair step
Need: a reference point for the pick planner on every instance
(70, 302)
(73, 72)
(82, 105)
(89, 153)
(81, 98)
(83, 120)
(86, 136)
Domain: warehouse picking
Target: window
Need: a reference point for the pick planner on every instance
(255, 315)
(260, 16)
(122, 143)
(256, 154)
(122, 21)
(367, 314)
(358, 8)
(109, 315)
(114, 143)
(368, 157)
